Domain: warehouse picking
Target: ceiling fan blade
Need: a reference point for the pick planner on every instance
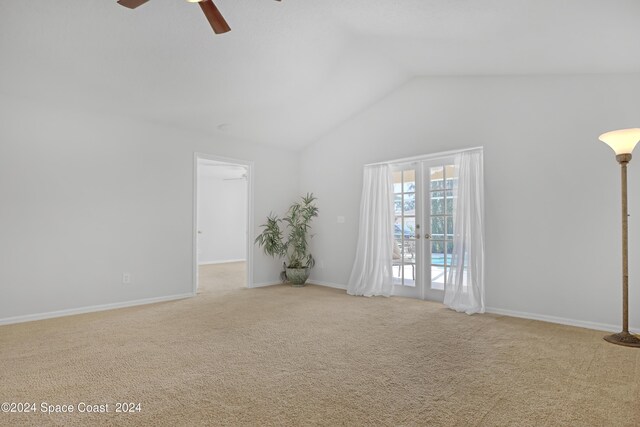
(214, 16)
(132, 4)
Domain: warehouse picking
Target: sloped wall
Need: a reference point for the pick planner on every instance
(552, 189)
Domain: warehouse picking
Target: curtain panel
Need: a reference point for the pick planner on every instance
(372, 274)
(464, 291)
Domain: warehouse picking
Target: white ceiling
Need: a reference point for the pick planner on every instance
(291, 71)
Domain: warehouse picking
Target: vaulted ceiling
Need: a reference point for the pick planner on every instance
(291, 71)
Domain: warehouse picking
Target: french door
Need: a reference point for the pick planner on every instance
(423, 229)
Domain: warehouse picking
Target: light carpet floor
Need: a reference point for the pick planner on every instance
(315, 356)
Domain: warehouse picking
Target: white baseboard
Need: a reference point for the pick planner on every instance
(90, 309)
(559, 320)
(309, 282)
(225, 261)
(327, 284)
(523, 315)
(265, 284)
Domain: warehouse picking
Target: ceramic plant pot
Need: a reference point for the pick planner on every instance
(297, 276)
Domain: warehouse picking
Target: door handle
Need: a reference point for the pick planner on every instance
(427, 236)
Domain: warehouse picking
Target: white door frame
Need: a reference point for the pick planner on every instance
(249, 165)
(423, 283)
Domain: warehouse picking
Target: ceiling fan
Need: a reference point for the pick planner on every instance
(210, 10)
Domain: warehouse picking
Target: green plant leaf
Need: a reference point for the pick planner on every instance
(297, 223)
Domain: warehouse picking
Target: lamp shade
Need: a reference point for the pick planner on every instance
(622, 141)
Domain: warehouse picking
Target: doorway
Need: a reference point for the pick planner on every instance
(222, 216)
(423, 228)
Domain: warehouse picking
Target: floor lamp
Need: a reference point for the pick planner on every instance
(623, 142)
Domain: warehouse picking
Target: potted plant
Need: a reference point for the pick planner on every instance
(294, 245)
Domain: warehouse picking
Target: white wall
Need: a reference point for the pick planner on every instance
(85, 197)
(552, 189)
(222, 217)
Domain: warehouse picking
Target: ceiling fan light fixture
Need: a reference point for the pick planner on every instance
(213, 15)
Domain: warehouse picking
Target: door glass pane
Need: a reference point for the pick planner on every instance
(409, 250)
(396, 261)
(397, 181)
(409, 270)
(437, 228)
(409, 177)
(397, 228)
(409, 227)
(397, 203)
(450, 201)
(437, 252)
(437, 203)
(397, 273)
(450, 173)
(449, 228)
(409, 203)
(438, 273)
(438, 268)
(398, 269)
(436, 178)
(397, 249)
(404, 263)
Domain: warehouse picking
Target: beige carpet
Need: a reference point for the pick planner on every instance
(315, 356)
(221, 277)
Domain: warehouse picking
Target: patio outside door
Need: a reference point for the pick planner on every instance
(423, 228)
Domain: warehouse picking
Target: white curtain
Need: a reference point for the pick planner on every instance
(464, 291)
(371, 274)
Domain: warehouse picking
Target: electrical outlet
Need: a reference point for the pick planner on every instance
(341, 219)
(126, 278)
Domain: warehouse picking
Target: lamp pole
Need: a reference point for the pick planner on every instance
(623, 142)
